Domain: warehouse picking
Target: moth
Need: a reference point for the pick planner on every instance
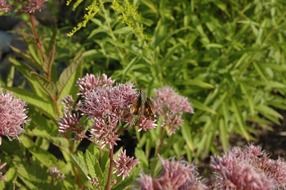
(143, 106)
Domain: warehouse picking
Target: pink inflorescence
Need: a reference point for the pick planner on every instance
(146, 123)
(104, 133)
(4, 6)
(90, 82)
(176, 175)
(109, 101)
(171, 106)
(12, 115)
(124, 164)
(33, 5)
(69, 122)
(248, 169)
(27, 6)
(106, 104)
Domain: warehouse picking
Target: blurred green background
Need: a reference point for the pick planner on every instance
(227, 57)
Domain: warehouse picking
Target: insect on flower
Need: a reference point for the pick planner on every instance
(143, 106)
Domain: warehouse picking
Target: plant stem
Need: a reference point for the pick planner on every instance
(162, 134)
(36, 37)
(109, 177)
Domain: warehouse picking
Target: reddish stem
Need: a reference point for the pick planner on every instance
(36, 36)
(109, 177)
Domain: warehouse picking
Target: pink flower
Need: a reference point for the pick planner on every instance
(109, 101)
(171, 106)
(248, 168)
(145, 182)
(124, 164)
(90, 82)
(12, 115)
(176, 175)
(4, 6)
(104, 132)
(276, 169)
(107, 105)
(69, 122)
(146, 124)
(33, 6)
(236, 174)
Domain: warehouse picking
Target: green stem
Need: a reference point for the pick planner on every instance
(159, 145)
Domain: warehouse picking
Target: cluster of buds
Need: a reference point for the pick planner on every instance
(176, 175)
(26, 6)
(248, 168)
(56, 174)
(124, 164)
(12, 115)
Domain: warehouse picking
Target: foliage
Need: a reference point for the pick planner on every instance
(226, 57)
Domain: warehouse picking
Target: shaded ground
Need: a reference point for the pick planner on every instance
(274, 142)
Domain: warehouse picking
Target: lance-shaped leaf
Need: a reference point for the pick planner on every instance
(68, 77)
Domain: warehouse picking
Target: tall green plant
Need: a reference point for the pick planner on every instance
(226, 56)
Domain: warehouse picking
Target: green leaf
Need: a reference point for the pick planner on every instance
(140, 155)
(187, 136)
(80, 162)
(200, 83)
(198, 105)
(68, 77)
(270, 113)
(46, 158)
(28, 71)
(239, 119)
(127, 183)
(10, 174)
(34, 100)
(223, 134)
(90, 162)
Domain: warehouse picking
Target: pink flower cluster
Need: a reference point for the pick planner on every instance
(33, 5)
(248, 169)
(106, 104)
(110, 102)
(89, 82)
(171, 106)
(124, 164)
(27, 6)
(176, 175)
(12, 115)
(4, 6)
(109, 106)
